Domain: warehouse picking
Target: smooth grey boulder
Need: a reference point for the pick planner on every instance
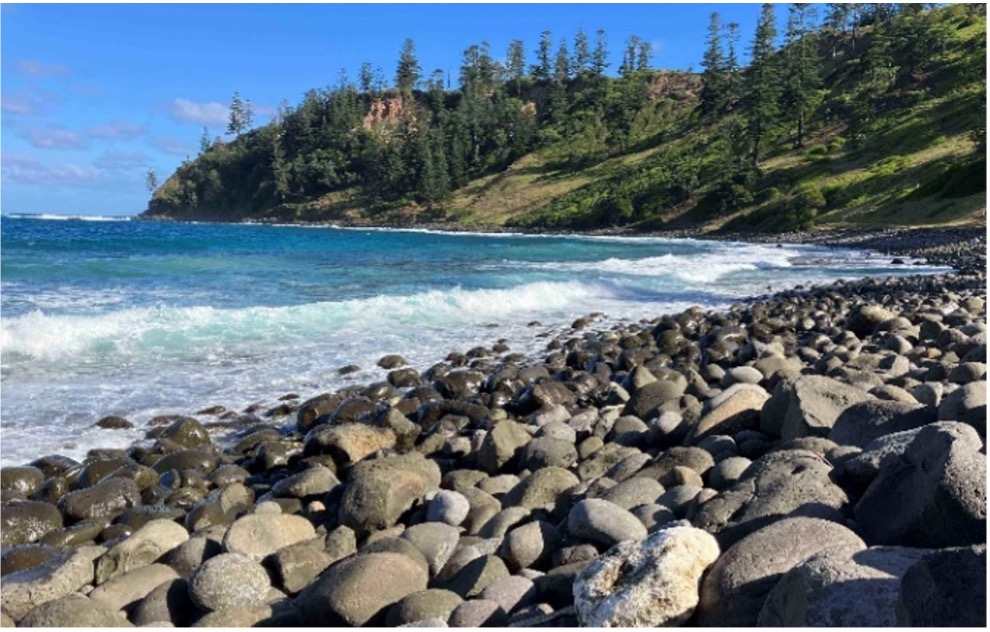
(736, 586)
(229, 580)
(74, 611)
(23, 591)
(861, 423)
(604, 523)
(933, 496)
(145, 546)
(24, 521)
(967, 404)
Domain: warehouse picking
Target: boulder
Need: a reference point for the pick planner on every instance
(21, 481)
(601, 522)
(548, 452)
(259, 535)
(168, 602)
(500, 444)
(932, 496)
(477, 575)
(143, 547)
(511, 593)
(240, 617)
(736, 408)
(815, 403)
(229, 580)
(21, 592)
(187, 432)
(427, 604)
(863, 422)
(312, 409)
(102, 502)
(25, 521)
(357, 590)
(377, 499)
(967, 404)
(313, 481)
(650, 583)
(448, 507)
(478, 613)
(633, 492)
(298, 564)
(646, 401)
(74, 611)
(529, 545)
(349, 443)
(735, 588)
(840, 588)
(541, 489)
(946, 588)
(436, 541)
(128, 589)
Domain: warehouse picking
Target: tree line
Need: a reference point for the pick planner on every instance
(417, 139)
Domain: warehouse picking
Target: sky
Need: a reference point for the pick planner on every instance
(92, 96)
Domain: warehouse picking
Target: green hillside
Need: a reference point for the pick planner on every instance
(867, 116)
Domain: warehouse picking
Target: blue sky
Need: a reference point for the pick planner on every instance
(94, 95)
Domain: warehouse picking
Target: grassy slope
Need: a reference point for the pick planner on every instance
(905, 169)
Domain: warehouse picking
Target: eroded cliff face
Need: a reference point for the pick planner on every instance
(387, 111)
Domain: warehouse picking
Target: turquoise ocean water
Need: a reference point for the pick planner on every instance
(138, 318)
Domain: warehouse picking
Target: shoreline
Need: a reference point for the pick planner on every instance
(592, 414)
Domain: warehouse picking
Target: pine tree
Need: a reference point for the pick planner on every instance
(764, 81)
(837, 22)
(542, 71)
(366, 78)
(562, 65)
(582, 53)
(280, 169)
(151, 180)
(236, 120)
(713, 78)
(643, 53)
(516, 67)
(204, 141)
(629, 58)
(733, 88)
(408, 72)
(599, 59)
(801, 67)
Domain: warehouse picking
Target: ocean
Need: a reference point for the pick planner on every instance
(102, 316)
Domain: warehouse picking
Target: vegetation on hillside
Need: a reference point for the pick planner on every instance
(869, 113)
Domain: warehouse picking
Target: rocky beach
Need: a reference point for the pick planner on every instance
(814, 457)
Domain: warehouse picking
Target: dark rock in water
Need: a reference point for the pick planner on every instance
(933, 496)
(357, 591)
(187, 432)
(392, 361)
(946, 588)
(353, 409)
(55, 464)
(840, 588)
(204, 460)
(99, 470)
(404, 378)
(459, 384)
(27, 521)
(312, 409)
(212, 410)
(114, 423)
(736, 586)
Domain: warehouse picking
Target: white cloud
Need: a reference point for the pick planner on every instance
(16, 104)
(118, 130)
(114, 160)
(27, 170)
(208, 113)
(40, 69)
(54, 138)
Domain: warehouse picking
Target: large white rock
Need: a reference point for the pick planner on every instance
(653, 582)
(144, 546)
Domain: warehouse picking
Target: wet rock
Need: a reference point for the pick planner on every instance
(187, 432)
(356, 591)
(25, 521)
(102, 502)
(733, 591)
(112, 422)
(20, 482)
(312, 409)
(645, 584)
(391, 361)
(26, 556)
(229, 580)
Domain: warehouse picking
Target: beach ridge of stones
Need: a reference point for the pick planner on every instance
(812, 458)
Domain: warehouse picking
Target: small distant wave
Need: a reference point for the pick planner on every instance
(68, 218)
(701, 268)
